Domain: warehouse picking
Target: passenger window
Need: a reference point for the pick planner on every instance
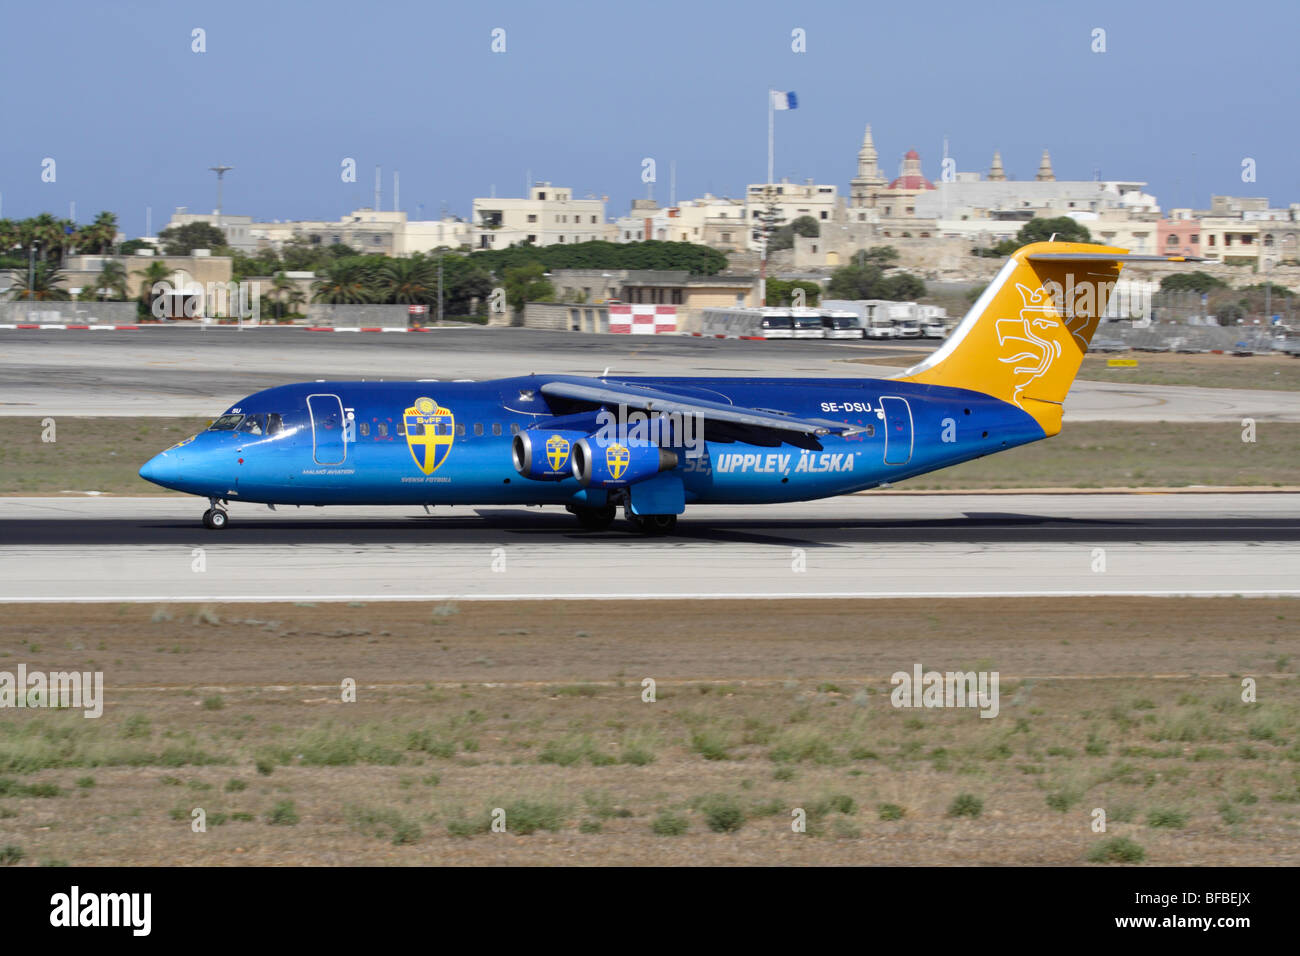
(871, 431)
(383, 430)
(478, 428)
(460, 430)
(274, 423)
(514, 429)
(496, 428)
(365, 429)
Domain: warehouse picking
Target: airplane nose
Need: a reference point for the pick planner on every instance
(161, 469)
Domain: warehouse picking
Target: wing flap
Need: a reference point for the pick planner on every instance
(665, 403)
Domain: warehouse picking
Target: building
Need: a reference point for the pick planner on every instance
(549, 216)
(367, 230)
(792, 201)
(238, 229)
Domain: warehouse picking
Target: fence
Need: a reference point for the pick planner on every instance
(67, 313)
(358, 316)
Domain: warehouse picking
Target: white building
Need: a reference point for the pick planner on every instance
(794, 200)
(549, 216)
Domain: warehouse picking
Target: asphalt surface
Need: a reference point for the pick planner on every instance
(185, 371)
(154, 549)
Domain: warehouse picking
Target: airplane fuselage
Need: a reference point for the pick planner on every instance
(359, 442)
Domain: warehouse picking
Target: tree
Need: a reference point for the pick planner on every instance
(869, 282)
(407, 281)
(109, 284)
(346, 282)
(855, 282)
(1191, 282)
(781, 291)
(97, 237)
(150, 276)
(281, 285)
(883, 256)
(45, 284)
(183, 240)
(805, 226)
(528, 283)
(132, 246)
(296, 299)
(901, 287)
(1040, 230)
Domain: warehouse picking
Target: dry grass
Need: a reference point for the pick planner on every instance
(1130, 705)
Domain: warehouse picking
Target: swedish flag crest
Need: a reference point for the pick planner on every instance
(557, 452)
(430, 431)
(616, 460)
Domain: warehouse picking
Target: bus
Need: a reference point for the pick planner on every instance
(842, 324)
(807, 324)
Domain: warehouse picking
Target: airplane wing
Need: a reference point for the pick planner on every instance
(654, 400)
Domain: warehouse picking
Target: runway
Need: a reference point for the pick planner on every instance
(187, 372)
(153, 549)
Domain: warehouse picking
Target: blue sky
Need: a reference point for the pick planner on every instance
(585, 91)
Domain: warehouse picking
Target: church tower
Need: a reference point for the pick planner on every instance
(1045, 174)
(996, 173)
(864, 186)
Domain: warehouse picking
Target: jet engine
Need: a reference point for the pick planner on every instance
(544, 455)
(598, 463)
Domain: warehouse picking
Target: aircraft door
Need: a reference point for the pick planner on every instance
(898, 430)
(329, 443)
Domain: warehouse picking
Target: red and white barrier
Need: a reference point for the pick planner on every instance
(642, 319)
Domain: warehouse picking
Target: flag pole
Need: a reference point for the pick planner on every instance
(771, 133)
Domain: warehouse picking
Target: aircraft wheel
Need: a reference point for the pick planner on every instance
(215, 519)
(595, 519)
(654, 524)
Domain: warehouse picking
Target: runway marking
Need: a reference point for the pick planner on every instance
(632, 596)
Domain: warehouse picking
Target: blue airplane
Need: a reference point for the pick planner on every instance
(655, 445)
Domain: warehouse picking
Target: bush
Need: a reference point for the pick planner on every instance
(11, 854)
(1116, 850)
(966, 805)
(722, 813)
(891, 811)
(529, 816)
(283, 814)
(1169, 819)
(669, 824)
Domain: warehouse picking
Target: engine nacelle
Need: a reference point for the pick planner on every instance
(544, 455)
(607, 464)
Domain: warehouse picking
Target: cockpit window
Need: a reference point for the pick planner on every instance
(226, 423)
(253, 424)
(274, 423)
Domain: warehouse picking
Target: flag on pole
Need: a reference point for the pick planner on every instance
(784, 101)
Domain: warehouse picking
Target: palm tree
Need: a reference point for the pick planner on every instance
(407, 281)
(151, 275)
(97, 237)
(343, 283)
(280, 286)
(8, 235)
(296, 298)
(44, 286)
(110, 283)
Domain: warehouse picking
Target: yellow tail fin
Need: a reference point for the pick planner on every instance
(1025, 337)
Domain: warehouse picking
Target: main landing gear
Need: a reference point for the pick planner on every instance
(600, 519)
(215, 518)
(652, 524)
(594, 519)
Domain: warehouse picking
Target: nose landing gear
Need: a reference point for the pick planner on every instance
(215, 518)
